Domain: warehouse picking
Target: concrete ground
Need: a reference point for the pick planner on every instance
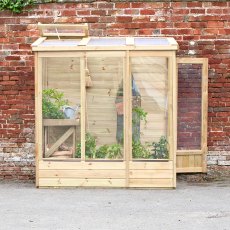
(190, 206)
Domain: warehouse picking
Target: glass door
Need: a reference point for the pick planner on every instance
(104, 103)
(149, 82)
(61, 106)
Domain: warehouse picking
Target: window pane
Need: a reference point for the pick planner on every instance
(149, 107)
(104, 108)
(61, 107)
(189, 106)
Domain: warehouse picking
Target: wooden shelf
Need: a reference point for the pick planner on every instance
(60, 122)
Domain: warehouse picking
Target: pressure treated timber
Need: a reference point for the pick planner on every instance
(83, 173)
(67, 182)
(112, 64)
(90, 165)
(148, 165)
(151, 183)
(152, 174)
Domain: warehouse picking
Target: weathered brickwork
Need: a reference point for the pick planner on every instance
(202, 29)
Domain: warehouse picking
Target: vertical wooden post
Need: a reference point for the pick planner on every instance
(174, 91)
(127, 116)
(170, 106)
(38, 114)
(204, 118)
(83, 105)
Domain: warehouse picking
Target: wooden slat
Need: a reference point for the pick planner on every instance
(151, 53)
(38, 41)
(191, 160)
(161, 51)
(145, 174)
(38, 124)
(151, 165)
(60, 165)
(188, 152)
(83, 107)
(60, 122)
(83, 174)
(198, 161)
(174, 112)
(185, 161)
(188, 169)
(190, 60)
(204, 121)
(69, 182)
(63, 54)
(151, 183)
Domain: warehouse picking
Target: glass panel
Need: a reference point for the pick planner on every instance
(151, 41)
(107, 42)
(149, 107)
(189, 106)
(104, 106)
(60, 106)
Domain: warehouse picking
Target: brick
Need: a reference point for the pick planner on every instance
(124, 19)
(98, 12)
(147, 12)
(206, 24)
(137, 5)
(194, 4)
(68, 13)
(122, 5)
(215, 24)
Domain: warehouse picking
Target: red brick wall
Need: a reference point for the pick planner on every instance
(202, 29)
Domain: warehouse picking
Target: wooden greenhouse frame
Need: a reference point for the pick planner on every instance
(126, 171)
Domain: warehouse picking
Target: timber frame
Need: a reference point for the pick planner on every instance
(127, 172)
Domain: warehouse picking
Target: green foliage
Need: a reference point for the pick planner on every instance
(113, 151)
(52, 102)
(139, 114)
(140, 151)
(16, 6)
(90, 147)
(160, 149)
(102, 151)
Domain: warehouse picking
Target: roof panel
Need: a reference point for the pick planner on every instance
(151, 41)
(60, 43)
(107, 42)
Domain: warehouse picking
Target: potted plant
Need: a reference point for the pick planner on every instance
(52, 104)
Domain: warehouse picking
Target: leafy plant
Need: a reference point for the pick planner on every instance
(140, 151)
(101, 152)
(52, 102)
(16, 6)
(113, 151)
(160, 149)
(139, 114)
(90, 147)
